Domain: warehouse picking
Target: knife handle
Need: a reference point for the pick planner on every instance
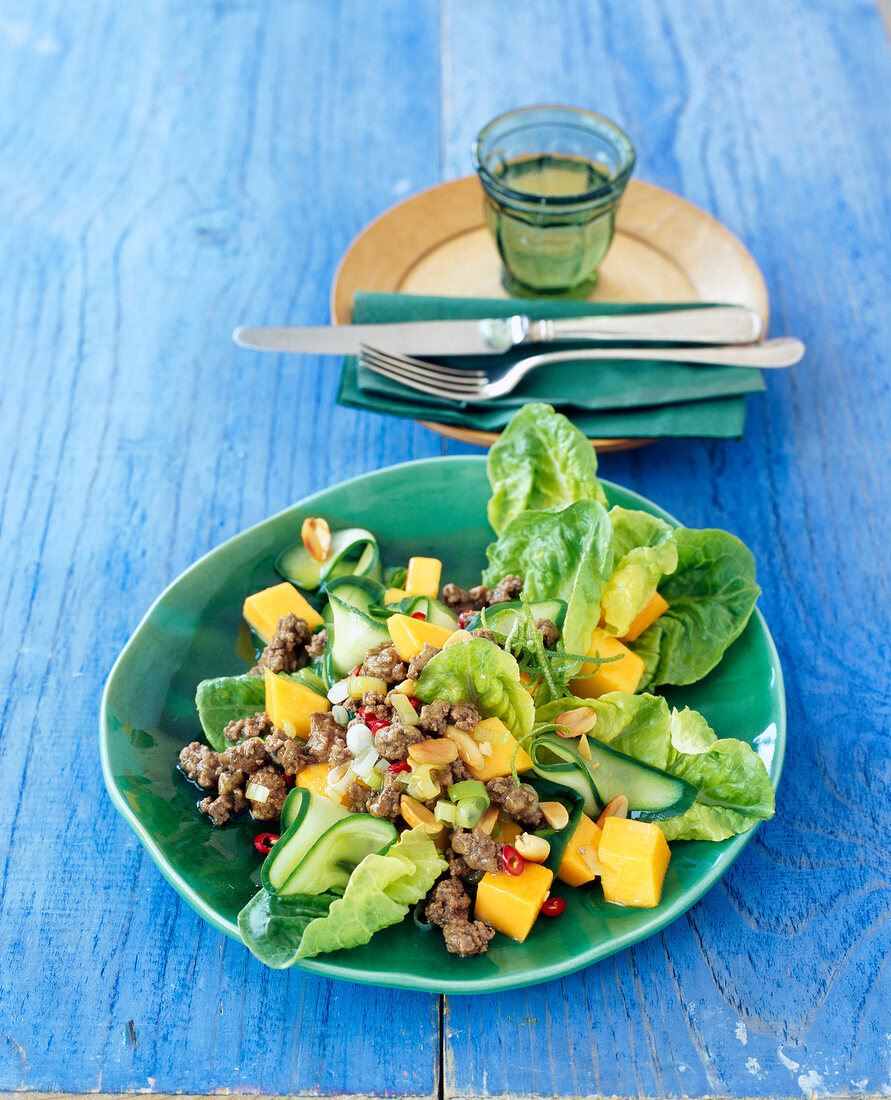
(713, 325)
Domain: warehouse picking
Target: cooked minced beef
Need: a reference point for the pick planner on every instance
(450, 901)
(290, 752)
(459, 771)
(286, 651)
(508, 588)
(479, 851)
(434, 717)
(550, 632)
(246, 757)
(486, 635)
(220, 809)
(317, 644)
(384, 663)
(256, 725)
(419, 662)
(464, 716)
(467, 938)
(273, 780)
(200, 764)
(376, 705)
(520, 803)
(326, 743)
(458, 599)
(386, 802)
(457, 867)
(359, 796)
(392, 741)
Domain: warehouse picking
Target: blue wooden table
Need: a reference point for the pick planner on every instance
(171, 169)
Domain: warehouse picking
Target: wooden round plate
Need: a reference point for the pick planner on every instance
(665, 249)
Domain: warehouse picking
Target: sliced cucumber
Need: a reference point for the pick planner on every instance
(328, 864)
(502, 616)
(434, 611)
(353, 551)
(356, 630)
(652, 794)
(311, 815)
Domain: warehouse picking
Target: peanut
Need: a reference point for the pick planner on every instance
(616, 807)
(578, 720)
(555, 814)
(487, 821)
(468, 749)
(416, 813)
(316, 536)
(534, 848)
(436, 750)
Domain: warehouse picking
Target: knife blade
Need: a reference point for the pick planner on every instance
(493, 336)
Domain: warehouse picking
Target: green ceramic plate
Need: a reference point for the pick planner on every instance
(435, 507)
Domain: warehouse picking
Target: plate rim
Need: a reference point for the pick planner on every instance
(462, 986)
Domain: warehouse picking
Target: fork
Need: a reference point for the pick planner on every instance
(455, 384)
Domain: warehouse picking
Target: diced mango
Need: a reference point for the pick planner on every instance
(647, 615)
(508, 831)
(499, 762)
(411, 635)
(491, 729)
(596, 680)
(511, 903)
(314, 777)
(422, 577)
(289, 704)
(574, 871)
(634, 856)
(264, 609)
(394, 595)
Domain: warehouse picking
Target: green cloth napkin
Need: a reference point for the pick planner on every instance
(602, 398)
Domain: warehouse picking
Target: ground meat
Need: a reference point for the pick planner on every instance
(392, 741)
(480, 597)
(200, 764)
(220, 809)
(231, 779)
(290, 752)
(285, 652)
(459, 771)
(467, 938)
(464, 716)
(550, 632)
(419, 662)
(457, 867)
(246, 757)
(385, 663)
(434, 717)
(273, 780)
(257, 725)
(359, 796)
(339, 753)
(450, 902)
(486, 635)
(480, 852)
(520, 803)
(460, 600)
(508, 588)
(317, 645)
(377, 705)
(326, 738)
(386, 802)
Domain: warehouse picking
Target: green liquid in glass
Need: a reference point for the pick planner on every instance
(550, 249)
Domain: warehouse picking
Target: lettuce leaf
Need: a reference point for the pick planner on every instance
(566, 554)
(540, 461)
(272, 927)
(479, 672)
(646, 551)
(380, 892)
(711, 596)
(637, 725)
(228, 698)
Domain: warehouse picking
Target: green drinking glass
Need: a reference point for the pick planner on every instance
(553, 178)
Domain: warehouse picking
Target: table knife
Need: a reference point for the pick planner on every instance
(713, 325)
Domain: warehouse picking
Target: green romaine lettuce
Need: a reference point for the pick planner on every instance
(711, 596)
(646, 550)
(379, 893)
(540, 461)
(272, 927)
(228, 698)
(637, 725)
(478, 672)
(565, 554)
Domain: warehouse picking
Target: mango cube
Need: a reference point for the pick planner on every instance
(510, 903)
(645, 618)
(290, 704)
(499, 762)
(411, 635)
(574, 870)
(314, 777)
(634, 856)
(264, 609)
(622, 675)
(422, 577)
(394, 595)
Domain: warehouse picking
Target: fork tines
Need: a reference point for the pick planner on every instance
(432, 378)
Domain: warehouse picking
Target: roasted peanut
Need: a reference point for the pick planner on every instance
(555, 814)
(534, 848)
(577, 721)
(436, 750)
(616, 807)
(316, 536)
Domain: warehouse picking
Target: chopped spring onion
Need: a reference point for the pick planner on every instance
(445, 812)
(339, 778)
(382, 766)
(339, 692)
(340, 715)
(358, 685)
(359, 738)
(401, 704)
(256, 792)
(468, 812)
(422, 785)
(365, 760)
(469, 788)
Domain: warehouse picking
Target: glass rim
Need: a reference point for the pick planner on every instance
(493, 183)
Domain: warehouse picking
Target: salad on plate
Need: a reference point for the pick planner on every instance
(411, 750)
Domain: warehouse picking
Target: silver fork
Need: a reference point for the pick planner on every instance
(455, 384)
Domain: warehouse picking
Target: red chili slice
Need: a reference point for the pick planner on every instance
(290, 780)
(399, 766)
(415, 701)
(465, 617)
(419, 615)
(553, 907)
(512, 861)
(263, 842)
